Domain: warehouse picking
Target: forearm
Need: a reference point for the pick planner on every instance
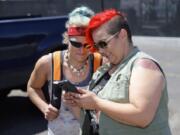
(124, 112)
(38, 98)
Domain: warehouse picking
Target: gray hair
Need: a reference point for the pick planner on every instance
(79, 17)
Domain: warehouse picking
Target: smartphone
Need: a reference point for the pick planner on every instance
(68, 86)
(57, 88)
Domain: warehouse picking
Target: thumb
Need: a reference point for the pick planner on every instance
(82, 91)
(52, 108)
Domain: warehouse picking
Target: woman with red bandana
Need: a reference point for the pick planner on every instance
(75, 64)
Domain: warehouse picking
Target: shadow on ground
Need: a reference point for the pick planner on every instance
(18, 116)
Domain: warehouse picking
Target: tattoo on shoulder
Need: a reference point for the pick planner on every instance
(146, 63)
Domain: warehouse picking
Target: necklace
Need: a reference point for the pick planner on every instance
(77, 71)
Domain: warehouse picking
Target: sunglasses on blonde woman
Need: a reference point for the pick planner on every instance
(79, 44)
(103, 43)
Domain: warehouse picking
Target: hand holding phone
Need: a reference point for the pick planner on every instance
(57, 88)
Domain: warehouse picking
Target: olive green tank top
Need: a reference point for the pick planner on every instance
(117, 90)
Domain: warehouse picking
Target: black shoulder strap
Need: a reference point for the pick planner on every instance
(93, 83)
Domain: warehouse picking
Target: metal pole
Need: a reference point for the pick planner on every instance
(119, 4)
(166, 12)
(140, 10)
(102, 5)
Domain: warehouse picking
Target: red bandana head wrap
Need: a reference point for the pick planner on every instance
(76, 31)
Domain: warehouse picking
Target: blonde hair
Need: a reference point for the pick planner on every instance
(79, 17)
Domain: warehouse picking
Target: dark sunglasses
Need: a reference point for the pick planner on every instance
(103, 44)
(79, 44)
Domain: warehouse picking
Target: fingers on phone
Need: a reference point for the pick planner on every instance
(77, 96)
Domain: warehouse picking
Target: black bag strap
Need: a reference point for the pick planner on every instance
(90, 118)
(93, 83)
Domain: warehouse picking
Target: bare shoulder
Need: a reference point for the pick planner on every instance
(44, 61)
(146, 64)
(43, 66)
(149, 68)
(40, 72)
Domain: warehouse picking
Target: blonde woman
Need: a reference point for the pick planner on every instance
(75, 64)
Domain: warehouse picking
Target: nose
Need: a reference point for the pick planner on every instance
(101, 50)
(82, 50)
